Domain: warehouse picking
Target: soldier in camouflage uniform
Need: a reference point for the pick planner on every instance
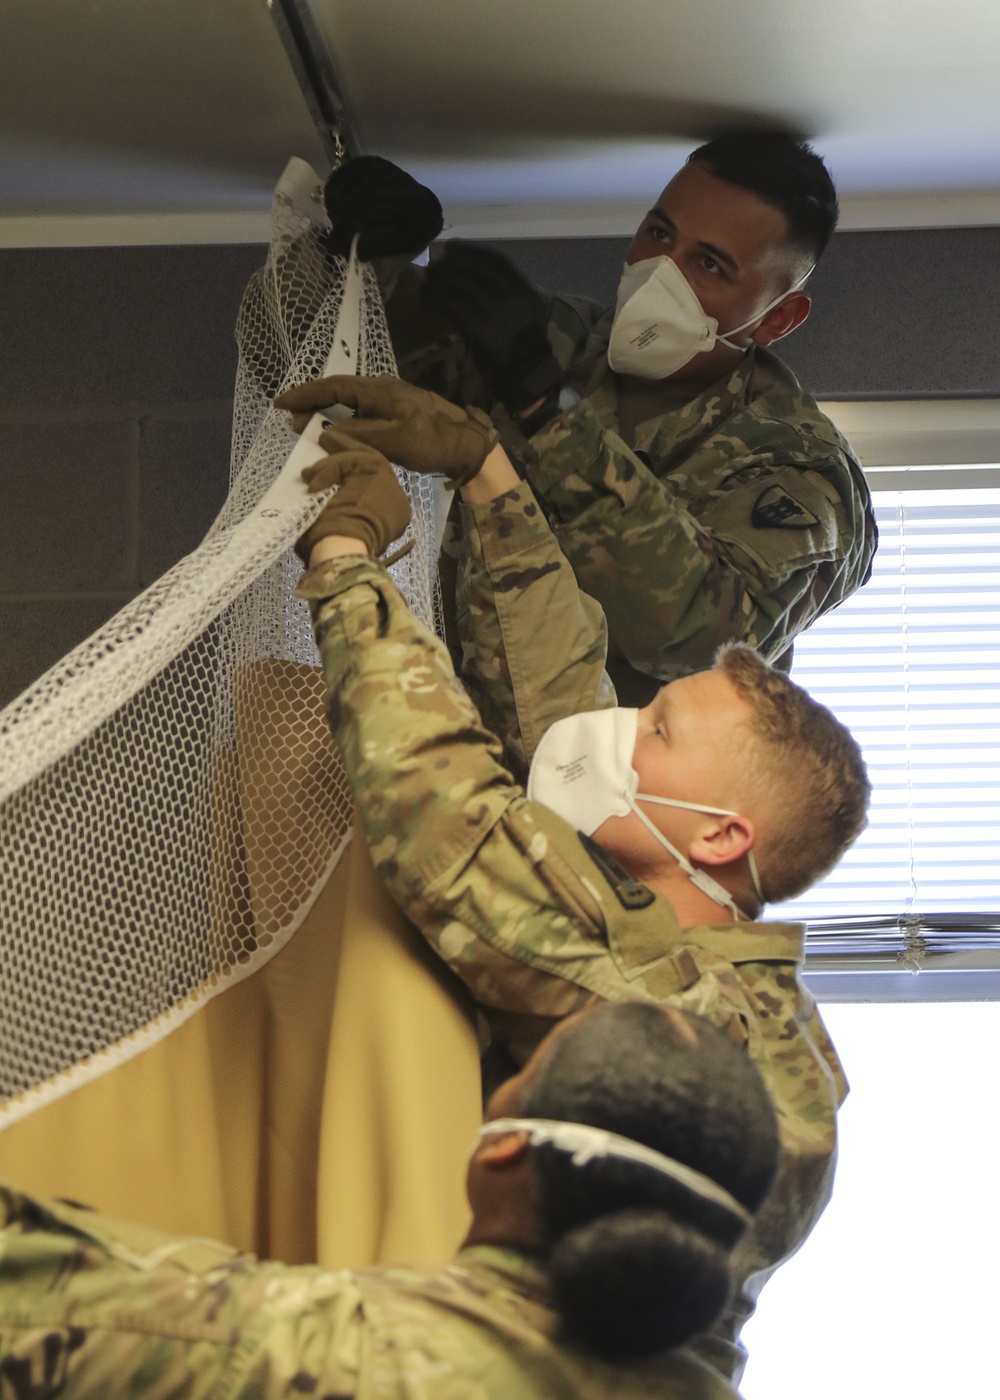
(94, 1309)
(711, 504)
(536, 922)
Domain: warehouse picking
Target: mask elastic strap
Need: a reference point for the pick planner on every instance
(699, 878)
(584, 1143)
(734, 330)
(712, 812)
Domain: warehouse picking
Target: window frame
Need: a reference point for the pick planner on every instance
(915, 444)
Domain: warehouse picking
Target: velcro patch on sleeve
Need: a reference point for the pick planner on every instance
(775, 509)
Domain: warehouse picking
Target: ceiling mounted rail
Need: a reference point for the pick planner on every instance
(314, 70)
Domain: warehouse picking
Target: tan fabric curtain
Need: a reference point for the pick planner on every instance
(320, 1110)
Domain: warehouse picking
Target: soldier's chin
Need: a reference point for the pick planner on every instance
(618, 836)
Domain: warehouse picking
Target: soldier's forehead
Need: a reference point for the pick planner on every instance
(695, 688)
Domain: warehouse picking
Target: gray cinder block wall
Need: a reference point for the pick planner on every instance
(116, 383)
(116, 380)
(910, 313)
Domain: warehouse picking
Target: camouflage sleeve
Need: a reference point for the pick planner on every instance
(533, 645)
(450, 832)
(791, 1049)
(819, 1035)
(92, 1307)
(674, 586)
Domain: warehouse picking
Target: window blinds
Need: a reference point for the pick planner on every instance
(912, 664)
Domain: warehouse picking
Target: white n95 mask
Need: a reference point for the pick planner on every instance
(583, 771)
(660, 324)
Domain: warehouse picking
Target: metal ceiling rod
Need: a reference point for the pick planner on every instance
(312, 64)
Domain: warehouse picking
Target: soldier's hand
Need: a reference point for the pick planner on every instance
(369, 504)
(503, 317)
(418, 429)
(392, 212)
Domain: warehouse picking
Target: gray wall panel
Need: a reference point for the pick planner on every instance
(904, 314)
(91, 327)
(116, 375)
(67, 521)
(898, 314)
(116, 383)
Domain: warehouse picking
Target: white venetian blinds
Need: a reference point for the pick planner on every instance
(912, 664)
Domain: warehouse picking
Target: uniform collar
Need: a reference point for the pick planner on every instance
(511, 1269)
(751, 942)
(682, 426)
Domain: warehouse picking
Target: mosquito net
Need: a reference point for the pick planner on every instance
(170, 799)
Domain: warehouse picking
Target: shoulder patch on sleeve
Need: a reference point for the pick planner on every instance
(630, 892)
(774, 508)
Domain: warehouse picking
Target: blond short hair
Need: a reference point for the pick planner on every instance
(802, 768)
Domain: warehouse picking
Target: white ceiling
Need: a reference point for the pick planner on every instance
(125, 121)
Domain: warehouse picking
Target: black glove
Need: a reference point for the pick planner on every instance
(391, 211)
(503, 318)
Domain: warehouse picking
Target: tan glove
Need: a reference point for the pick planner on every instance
(369, 505)
(418, 429)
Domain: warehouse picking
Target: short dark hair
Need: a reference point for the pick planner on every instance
(637, 1262)
(785, 173)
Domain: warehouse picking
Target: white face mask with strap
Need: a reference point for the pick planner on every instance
(660, 324)
(582, 770)
(586, 1144)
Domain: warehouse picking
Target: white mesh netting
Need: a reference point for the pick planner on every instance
(170, 799)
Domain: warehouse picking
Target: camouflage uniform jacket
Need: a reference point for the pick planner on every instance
(94, 1309)
(512, 586)
(741, 514)
(537, 920)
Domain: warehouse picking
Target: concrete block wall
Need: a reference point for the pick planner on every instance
(910, 313)
(116, 385)
(116, 381)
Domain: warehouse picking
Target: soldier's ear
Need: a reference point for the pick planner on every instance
(501, 1151)
(782, 319)
(723, 840)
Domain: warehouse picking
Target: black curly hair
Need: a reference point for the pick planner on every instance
(639, 1263)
